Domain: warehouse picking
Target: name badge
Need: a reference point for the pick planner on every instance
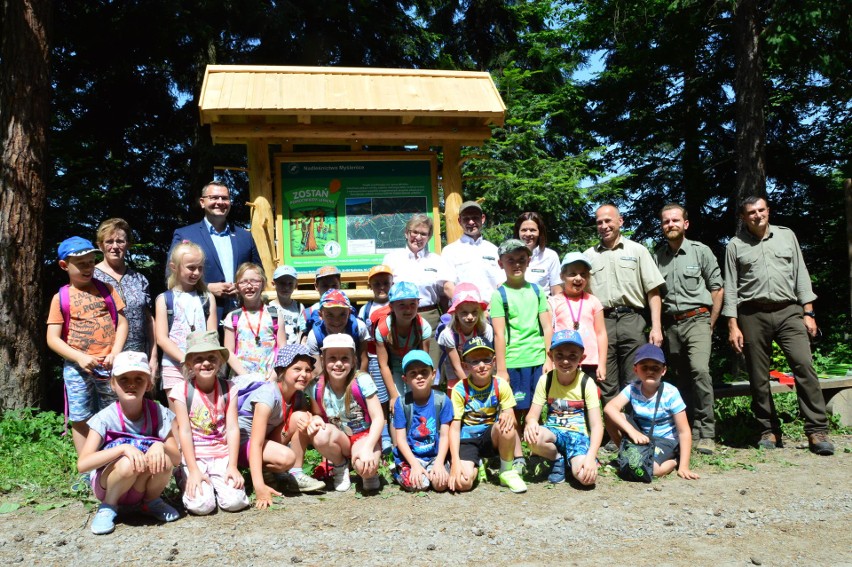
(430, 270)
(629, 258)
(489, 258)
(537, 270)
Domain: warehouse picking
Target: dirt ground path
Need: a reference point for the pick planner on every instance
(784, 507)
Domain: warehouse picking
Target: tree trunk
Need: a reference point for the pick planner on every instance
(24, 120)
(750, 98)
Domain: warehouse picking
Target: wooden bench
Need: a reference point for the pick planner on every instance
(837, 391)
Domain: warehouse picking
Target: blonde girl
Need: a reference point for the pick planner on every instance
(186, 307)
(208, 430)
(469, 320)
(347, 417)
(131, 447)
(399, 333)
(252, 332)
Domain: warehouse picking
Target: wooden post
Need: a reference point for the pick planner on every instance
(262, 219)
(452, 190)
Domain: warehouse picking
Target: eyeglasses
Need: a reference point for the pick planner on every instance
(247, 283)
(222, 198)
(418, 233)
(479, 361)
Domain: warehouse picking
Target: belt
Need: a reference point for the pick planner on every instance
(766, 306)
(691, 313)
(424, 308)
(610, 311)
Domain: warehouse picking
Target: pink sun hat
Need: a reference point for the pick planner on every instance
(469, 294)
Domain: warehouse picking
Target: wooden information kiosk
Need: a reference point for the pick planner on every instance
(343, 154)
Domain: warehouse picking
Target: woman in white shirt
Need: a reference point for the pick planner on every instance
(544, 262)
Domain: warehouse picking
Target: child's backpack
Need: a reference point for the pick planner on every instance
(189, 392)
(440, 399)
(505, 298)
(169, 297)
(65, 305)
(371, 322)
(235, 317)
(319, 391)
(384, 331)
(243, 394)
(320, 332)
(583, 381)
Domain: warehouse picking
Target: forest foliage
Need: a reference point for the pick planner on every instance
(628, 102)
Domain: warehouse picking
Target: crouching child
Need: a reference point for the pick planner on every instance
(573, 429)
(483, 420)
(421, 421)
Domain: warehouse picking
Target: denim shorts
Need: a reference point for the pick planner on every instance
(87, 394)
(523, 382)
(570, 444)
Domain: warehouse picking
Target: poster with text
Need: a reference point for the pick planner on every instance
(350, 212)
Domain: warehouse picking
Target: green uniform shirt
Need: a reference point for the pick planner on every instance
(770, 269)
(691, 273)
(624, 275)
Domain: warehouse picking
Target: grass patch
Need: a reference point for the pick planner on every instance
(35, 458)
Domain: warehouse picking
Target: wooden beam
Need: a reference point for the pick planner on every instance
(260, 193)
(349, 135)
(451, 177)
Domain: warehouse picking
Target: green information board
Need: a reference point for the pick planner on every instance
(350, 211)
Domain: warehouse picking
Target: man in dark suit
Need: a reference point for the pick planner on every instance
(225, 246)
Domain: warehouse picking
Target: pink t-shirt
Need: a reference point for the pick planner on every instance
(208, 430)
(566, 309)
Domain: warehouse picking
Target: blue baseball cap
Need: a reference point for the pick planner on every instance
(477, 343)
(649, 352)
(403, 290)
(566, 337)
(416, 356)
(75, 246)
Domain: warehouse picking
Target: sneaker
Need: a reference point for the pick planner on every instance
(768, 441)
(340, 477)
(300, 483)
(557, 472)
(481, 472)
(705, 446)
(513, 481)
(158, 509)
(371, 484)
(83, 483)
(819, 444)
(104, 520)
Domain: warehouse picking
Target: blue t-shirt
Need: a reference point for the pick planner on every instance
(643, 408)
(425, 430)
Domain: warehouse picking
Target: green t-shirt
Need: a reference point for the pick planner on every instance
(525, 346)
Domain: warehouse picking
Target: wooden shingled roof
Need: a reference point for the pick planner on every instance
(322, 105)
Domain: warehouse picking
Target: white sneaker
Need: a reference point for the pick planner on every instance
(341, 477)
(371, 484)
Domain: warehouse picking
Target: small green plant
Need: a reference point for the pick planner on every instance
(35, 458)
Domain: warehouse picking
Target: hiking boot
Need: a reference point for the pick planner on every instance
(372, 484)
(340, 477)
(705, 446)
(819, 444)
(104, 520)
(768, 441)
(557, 473)
(513, 481)
(159, 510)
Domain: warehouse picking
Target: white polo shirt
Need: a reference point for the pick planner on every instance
(475, 261)
(427, 270)
(543, 269)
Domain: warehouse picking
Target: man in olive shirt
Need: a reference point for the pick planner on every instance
(768, 297)
(625, 280)
(691, 305)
